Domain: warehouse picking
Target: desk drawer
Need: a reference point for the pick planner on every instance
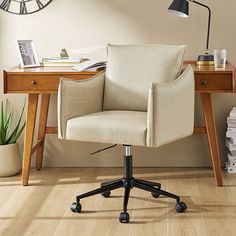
(38, 84)
(219, 82)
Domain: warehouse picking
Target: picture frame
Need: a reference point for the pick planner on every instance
(27, 53)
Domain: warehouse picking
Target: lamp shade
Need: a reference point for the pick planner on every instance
(179, 8)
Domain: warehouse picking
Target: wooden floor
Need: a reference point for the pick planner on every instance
(43, 207)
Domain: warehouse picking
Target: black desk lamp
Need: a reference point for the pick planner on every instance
(181, 8)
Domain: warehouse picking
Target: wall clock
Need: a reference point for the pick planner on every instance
(23, 7)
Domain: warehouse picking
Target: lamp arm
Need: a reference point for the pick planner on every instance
(209, 22)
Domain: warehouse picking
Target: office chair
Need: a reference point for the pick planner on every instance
(143, 98)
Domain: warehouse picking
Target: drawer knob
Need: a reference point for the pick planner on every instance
(33, 82)
(203, 82)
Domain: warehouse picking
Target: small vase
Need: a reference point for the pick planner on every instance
(9, 160)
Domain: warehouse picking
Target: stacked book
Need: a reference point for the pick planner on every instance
(90, 65)
(57, 61)
(230, 164)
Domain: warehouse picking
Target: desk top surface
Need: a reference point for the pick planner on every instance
(209, 69)
(68, 70)
(47, 70)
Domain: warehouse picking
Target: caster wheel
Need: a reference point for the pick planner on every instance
(124, 217)
(106, 194)
(155, 195)
(76, 207)
(180, 207)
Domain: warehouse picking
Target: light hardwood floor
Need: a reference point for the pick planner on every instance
(43, 207)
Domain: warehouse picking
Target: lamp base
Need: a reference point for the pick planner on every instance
(205, 60)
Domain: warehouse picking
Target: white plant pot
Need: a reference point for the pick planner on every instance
(9, 160)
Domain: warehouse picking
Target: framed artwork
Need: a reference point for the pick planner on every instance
(27, 53)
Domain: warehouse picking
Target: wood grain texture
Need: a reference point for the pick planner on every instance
(43, 208)
(212, 136)
(199, 130)
(51, 130)
(29, 134)
(44, 80)
(219, 82)
(209, 80)
(36, 146)
(234, 81)
(38, 83)
(42, 128)
(41, 79)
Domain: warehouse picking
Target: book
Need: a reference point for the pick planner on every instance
(230, 169)
(57, 61)
(231, 158)
(231, 147)
(230, 164)
(233, 112)
(231, 125)
(90, 64)
(59, 64)
(231, 120)
(232, 141)
(230, 134)
(232, 152)
(229, 144)
(229, 129)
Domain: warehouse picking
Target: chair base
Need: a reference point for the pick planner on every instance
(128, 182)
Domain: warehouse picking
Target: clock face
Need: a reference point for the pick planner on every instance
(23, 7)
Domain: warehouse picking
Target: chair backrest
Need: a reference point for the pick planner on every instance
(131, 70)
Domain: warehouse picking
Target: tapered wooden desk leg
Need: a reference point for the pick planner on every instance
(42, 128)
(29, 134)
(212, 136)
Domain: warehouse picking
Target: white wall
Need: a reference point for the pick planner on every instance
(75, 24)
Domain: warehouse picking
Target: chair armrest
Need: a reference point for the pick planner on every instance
(171, 110)
(78, 97)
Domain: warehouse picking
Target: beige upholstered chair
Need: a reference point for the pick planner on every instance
(142, 99)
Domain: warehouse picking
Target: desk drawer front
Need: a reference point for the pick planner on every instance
(31, 83)
(215, 82)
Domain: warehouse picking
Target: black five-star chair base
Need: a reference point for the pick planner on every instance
(128, 182)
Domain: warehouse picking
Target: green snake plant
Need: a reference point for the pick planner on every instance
(8, 133)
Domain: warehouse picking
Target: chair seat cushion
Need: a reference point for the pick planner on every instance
(120, 127)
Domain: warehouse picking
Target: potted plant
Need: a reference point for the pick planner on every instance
(9, 134)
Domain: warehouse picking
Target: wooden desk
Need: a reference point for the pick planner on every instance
(44, 81)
